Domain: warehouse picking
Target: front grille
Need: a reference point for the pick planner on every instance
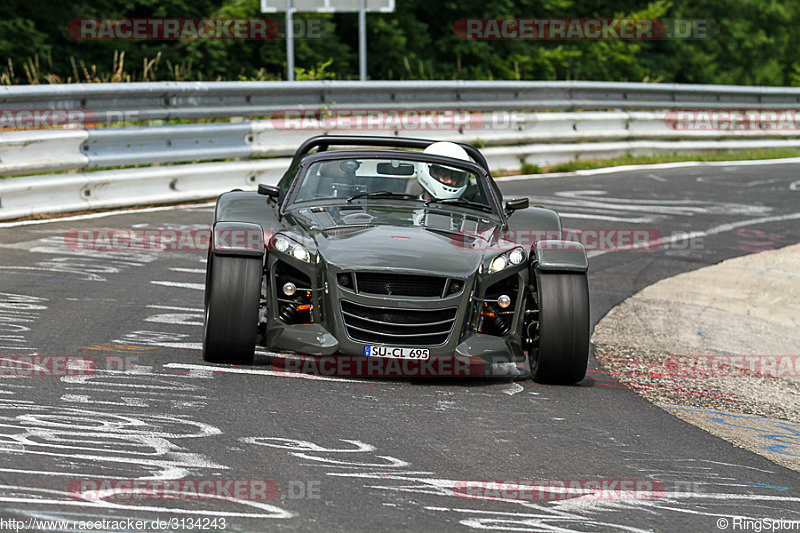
(400, 284)
(398, 327)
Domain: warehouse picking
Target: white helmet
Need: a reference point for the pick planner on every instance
(430, 175)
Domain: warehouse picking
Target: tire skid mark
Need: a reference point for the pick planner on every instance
(89, 441)
(568, 509)
(19, 313)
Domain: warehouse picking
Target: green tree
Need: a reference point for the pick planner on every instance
(746, 42)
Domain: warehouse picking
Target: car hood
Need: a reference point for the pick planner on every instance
(383, 240)
(400, 249)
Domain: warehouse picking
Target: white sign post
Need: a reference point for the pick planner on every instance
(327, 6)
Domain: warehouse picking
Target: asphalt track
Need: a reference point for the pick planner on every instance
(363, 455)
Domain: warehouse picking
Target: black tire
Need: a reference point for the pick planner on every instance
(233, 291)
(562, 352)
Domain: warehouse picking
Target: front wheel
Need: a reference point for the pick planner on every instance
(560, 354)
(233, 291)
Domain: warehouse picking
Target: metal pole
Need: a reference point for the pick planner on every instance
(362, 40)
(289, 41)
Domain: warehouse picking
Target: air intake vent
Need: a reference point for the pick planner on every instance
(398, 327)
(344, 230)
(400, 284)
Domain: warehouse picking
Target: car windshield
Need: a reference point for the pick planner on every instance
(404, 180)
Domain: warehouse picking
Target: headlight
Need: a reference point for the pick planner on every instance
(299, 252)
(281, 244)
(286, 246)
(516, 256)
(498, 264)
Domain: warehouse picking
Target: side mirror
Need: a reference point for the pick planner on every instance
(517, 203)
(269, 190)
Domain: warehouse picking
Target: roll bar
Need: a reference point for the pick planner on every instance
(324, 142)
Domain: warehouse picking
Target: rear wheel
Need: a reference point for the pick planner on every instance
(233, 290)
(559, 331)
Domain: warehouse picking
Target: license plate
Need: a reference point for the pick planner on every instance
(395, 351)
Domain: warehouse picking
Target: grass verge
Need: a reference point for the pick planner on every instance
(587, 164)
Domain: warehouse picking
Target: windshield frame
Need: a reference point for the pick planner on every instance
(481, 174)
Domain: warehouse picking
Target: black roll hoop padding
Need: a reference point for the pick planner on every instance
(324, 142)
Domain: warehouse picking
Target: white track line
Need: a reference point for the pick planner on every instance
(189, 270)
(722, 228)
(172, 308)
(98, 215)
(195, 286)
(259, 372)
(655, 166)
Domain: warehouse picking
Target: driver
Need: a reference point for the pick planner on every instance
(438, 181)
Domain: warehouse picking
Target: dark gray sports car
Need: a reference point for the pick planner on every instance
(399, 249)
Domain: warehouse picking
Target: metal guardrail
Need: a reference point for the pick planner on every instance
(62, 193)
(29, 152)
(534, 138)
(111, 102)
(108, 147)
